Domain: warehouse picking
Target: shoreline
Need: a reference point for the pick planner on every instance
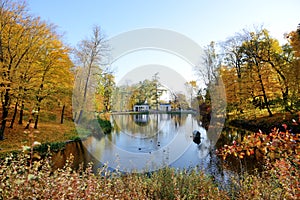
(153, 112)
(265, 123)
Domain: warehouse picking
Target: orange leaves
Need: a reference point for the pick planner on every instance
(294, 40)
(258, 143)
(276, 144)
(257, 71)
(34, 63)
(235, 153)
(248, 153)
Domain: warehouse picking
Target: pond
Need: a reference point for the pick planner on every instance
(147, 142)
(150, 141)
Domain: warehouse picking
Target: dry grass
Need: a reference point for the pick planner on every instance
(18, 180)
(49, 132)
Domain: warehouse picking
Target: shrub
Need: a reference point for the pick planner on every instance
(279, 154)
(21, 179)
(105, 125)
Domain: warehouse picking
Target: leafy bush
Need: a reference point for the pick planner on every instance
(21, 179)
(279, 154)
(54, 146)
(105, 125)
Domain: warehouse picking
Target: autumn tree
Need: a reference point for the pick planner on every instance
(191, 87)
(33, 62)
(54, 76)
(90, 54)
(233, 63)
(232, 89)
(13, 20)
(279, 62)
(269, 66)
(294, 40)
(24, 87)
(20, 32)
(257, 70)
(292, 51)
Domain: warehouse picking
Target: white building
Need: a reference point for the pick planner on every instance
(165, 107)
(141, 108)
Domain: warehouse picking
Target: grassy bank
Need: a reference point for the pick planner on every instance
(47, 132)
(262, 122)
(50, 132)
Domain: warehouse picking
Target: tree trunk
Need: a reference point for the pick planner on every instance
(14, 116)
(28, 124)
(285, 90)
(264, 94)
(1, 51)
(62, 114)
(37, 118)
(74, 117)
(85, 93)
(285, 95)
(3, 124)
(3, 117)
(21, 114)
(5, 108)
(79, 117)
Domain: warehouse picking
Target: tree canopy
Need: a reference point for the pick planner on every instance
(34, 63)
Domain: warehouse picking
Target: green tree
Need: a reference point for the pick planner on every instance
(145, 92)
(106, 88)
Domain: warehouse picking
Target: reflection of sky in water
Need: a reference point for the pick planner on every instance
(169, 142)
(171, 145)
(149, 134)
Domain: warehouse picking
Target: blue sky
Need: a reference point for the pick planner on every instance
(201, 21)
